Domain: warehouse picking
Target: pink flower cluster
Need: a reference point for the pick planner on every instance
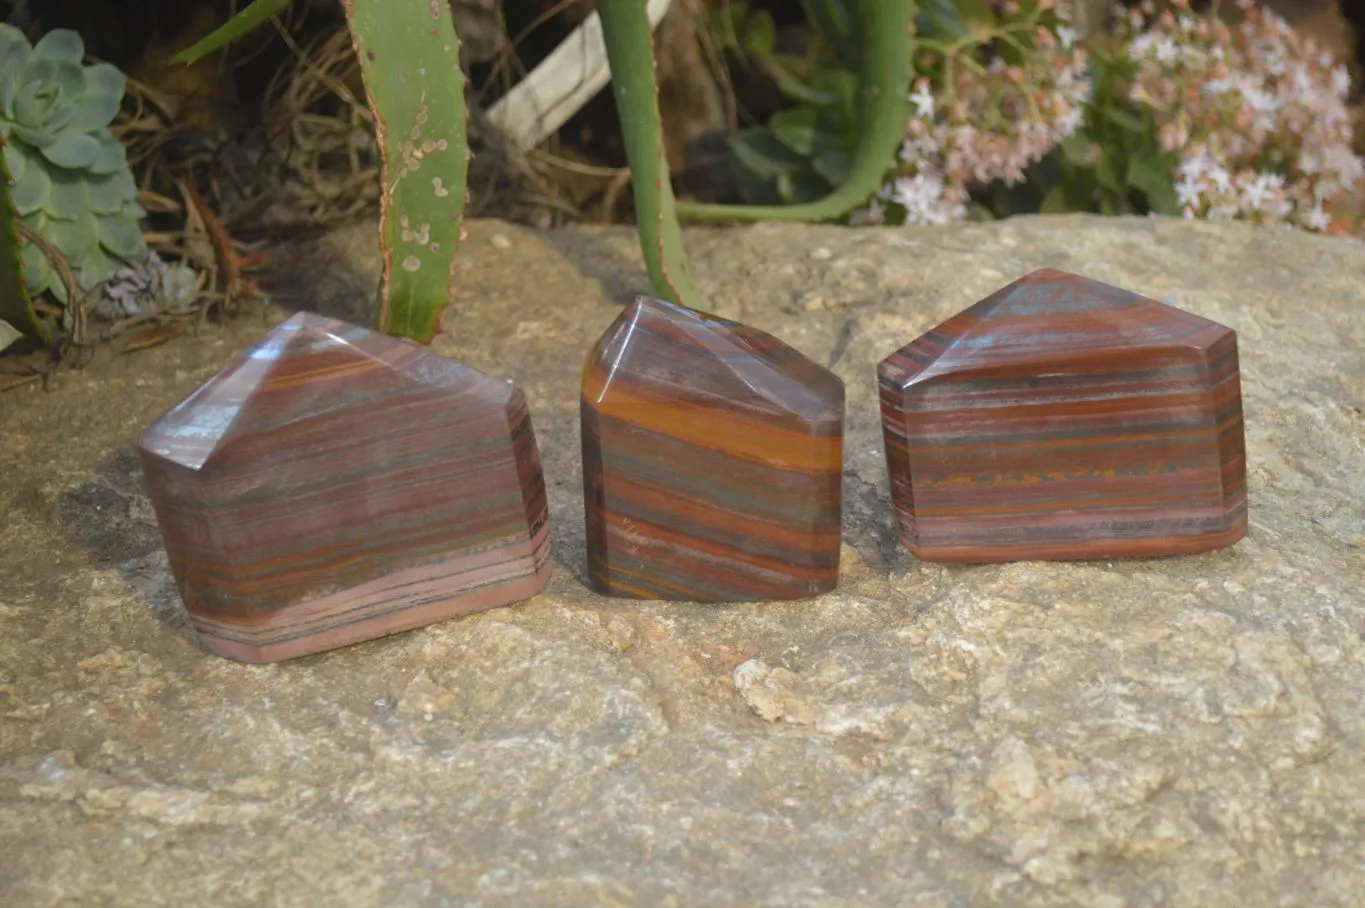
(1256, 113)
(987, 122)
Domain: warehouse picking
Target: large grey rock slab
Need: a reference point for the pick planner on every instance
(1183, 732)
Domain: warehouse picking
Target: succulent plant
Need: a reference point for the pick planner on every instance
(148, 282)
(71, 181)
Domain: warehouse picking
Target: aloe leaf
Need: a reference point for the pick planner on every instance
(410, 59)
(240, 25)
(15, 306)
(630, 52)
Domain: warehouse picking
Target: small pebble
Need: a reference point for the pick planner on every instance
(498, 241)
(821, 254)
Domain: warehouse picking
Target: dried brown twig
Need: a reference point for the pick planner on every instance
(323, 160)
(75, 294)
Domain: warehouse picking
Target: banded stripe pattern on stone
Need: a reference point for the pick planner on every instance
(1064, 418)
(712, 461)
(334, 484)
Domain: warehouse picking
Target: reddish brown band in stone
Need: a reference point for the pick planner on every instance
(333, 485)
(1063, 418)
(712, 461)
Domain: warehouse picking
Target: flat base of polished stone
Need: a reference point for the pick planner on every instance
(402, 601)
(1081, 550)
(616, 585)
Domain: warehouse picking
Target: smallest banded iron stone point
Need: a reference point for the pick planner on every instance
(334, 484)
(712, 461)
(1061, 418)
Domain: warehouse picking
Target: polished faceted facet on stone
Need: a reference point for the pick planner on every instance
(1063, 418)
(712, 461)
(333, 485)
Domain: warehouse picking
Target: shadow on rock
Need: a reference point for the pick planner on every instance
(561, 458)
(315, 273)
(597, 256)
(110, 516)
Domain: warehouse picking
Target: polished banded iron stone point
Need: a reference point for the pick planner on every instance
(712, 461)
(333, 485)
(1062, 418)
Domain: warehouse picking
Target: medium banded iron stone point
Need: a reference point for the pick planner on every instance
(1061, 418)
(333, 485)
(712, 461)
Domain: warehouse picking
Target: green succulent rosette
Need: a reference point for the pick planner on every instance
(71, 181)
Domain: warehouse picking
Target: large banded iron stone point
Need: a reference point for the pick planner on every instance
(712, 461)
(1061, 418)
(333, 485)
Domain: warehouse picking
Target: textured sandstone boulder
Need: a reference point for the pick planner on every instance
(1185, 731)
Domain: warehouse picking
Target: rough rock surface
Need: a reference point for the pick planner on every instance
(1182, 732)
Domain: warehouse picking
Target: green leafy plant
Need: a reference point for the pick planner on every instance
(409, 55)
(1112, 164)
(806, 149)
(70, 179)
(1018, 109)
(250, 18)
(830, 152)
(409, 58)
